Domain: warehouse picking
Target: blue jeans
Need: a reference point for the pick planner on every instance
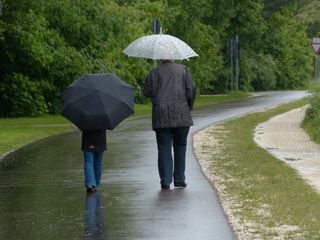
(92, 168)
(167, 166)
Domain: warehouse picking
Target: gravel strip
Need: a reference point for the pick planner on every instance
(284, 139)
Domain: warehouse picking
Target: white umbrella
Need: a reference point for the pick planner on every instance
(160, 46)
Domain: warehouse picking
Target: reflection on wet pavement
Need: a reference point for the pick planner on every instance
(94, 227)
(42, 194)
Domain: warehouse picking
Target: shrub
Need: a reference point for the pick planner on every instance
(24, 97)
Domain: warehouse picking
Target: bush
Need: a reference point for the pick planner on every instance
(263, 72)
(312, 119)
(24, 97)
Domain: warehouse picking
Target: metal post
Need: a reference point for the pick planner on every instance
(316, 68)
(156, 29)
(237, 63)
(231, 62)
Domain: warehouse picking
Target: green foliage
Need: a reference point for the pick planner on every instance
(260, 72)
(287, 42)
(23, 96)
(248, 23)
(52, 43)
(309, 14)
(275, 5)
(189, 25)
(312, 120)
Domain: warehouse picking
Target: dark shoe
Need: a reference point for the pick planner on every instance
(90, 189)
(165, 186)
(180, 185)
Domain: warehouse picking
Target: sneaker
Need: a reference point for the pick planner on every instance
(180, 185)
(90, 189)
(165, 186)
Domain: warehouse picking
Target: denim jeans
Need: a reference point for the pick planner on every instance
(92, 168)
(168, 166)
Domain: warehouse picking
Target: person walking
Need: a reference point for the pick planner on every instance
(172, 91)
(93, 145)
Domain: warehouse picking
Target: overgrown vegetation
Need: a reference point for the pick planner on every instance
(45, 45)
(309, 15)
(311, 122)
(268, 197)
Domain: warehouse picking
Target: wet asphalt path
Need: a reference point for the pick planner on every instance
(42, 194)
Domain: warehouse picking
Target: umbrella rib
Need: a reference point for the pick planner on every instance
(127, 106)
(178, 49)
(108, 120)
(80, 98)
(122, 103)
(81, 87)
(107, 93)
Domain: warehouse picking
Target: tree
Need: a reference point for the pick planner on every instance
(188, 24)
(287, 42)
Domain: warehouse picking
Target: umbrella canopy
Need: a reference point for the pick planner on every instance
(160, 46)
(97, 101)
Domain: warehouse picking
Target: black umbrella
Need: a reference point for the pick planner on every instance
(97, 101)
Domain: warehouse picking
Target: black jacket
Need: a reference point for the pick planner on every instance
(94, 141)
(172, 91)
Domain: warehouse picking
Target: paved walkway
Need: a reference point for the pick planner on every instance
(283, 137)
(42, 194)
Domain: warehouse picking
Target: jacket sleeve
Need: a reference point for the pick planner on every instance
(190, 89)
(147, 88)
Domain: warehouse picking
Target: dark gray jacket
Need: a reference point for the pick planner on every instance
(172, 91)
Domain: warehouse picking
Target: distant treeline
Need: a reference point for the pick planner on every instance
(45, 45)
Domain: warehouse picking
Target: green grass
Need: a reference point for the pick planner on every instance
(266, 192)
(311, 123)
(312, 128)
(215, 99)
(16, 132)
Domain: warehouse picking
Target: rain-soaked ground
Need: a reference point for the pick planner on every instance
(42, 194)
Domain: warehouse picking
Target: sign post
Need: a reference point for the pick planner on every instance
(316, 48)
(1, 7)
(234, 50)
(156, 29)
(156, 26)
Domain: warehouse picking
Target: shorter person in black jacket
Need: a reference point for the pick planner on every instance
(93, 145)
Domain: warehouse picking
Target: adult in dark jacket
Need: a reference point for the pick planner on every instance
(172, 91)
(93, 145)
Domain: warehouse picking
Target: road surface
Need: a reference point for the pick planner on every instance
(42, 194)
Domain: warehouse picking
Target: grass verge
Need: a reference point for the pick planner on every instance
(264, 197)
(16, 132)
(311, 123)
